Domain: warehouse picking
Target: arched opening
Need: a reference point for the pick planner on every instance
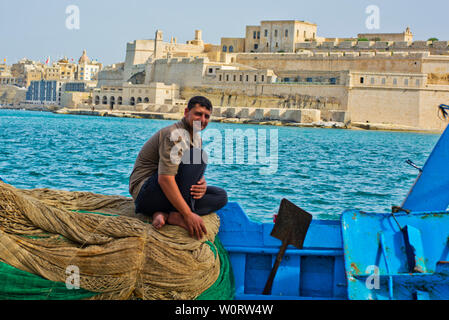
(112, 102)
(231, 49)
(119, 101)
(225, 48)
(146, 100)
(132, 101)
(139, 100)
(97, 100)
(105, 100)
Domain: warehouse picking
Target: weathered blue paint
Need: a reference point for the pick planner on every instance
(375, 240)
(314, 272)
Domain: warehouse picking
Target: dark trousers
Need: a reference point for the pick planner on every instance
(152, 199)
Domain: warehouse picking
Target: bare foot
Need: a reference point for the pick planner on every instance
(159, 219)
(176, 219)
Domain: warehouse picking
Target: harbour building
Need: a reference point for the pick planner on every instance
(44, 92)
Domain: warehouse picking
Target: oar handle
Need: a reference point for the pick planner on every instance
(270, 280)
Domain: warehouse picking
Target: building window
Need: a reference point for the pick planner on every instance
(305, 34)
(263, 78)
(255, 78)
(395, 81)
(231, 49)
(258, 34)
(286, 33)
(247, 78)
(362, 80)
(406, 82)
(277, 45)
(225, 48)
(219, 77)
(255, 35)
(256, 46)
(227, 77)
(211, 70)
(235, 77)
(266, 33)
(384, 81)
(372, 81)
(417, 82)
(275, 33)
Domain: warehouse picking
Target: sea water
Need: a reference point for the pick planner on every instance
(324, 171)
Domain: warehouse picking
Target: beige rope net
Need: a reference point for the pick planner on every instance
(120, 257)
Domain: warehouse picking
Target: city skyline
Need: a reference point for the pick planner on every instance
(106, 27)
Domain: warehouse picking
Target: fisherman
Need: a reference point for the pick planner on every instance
(168, 181)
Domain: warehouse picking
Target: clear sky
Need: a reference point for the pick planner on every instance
(37, 29)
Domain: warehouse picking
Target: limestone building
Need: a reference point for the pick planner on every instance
(86, 69)
(284, 70)
(406, 36)
(272, 36)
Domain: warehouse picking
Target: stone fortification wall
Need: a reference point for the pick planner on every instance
(430, 99)
(337, 61)
(111, 77)
(437, 68)
(435, 47)
(409, 107)
(185, 71)
(138, 52)
(381, 105)
(272, 96)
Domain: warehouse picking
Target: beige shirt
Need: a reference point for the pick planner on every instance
(159, 154)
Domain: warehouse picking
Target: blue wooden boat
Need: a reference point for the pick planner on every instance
(400, 255)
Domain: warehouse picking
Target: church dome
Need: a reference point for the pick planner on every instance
(84, 58)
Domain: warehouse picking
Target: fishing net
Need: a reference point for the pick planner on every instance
(46, 234)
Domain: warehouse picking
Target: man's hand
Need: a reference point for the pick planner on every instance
(195, 225)
(199, 190)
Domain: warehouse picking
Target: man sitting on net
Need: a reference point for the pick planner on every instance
(168, 182)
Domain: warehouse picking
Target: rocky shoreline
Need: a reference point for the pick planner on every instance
(178, 116)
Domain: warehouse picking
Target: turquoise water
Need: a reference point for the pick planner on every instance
(324, 171)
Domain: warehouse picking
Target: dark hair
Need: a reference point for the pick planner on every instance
(202, 101)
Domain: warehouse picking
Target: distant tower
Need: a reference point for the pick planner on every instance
(84, 59)
(408, 35)
(158, 45)
(198, 39)
(198, 34)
